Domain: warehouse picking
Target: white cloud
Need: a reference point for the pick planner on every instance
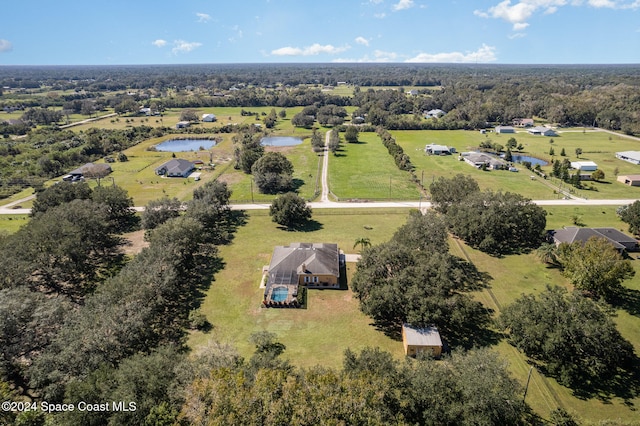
(483, 54)
(376, 1)
(181, 46)
(519, 26)
(403, 4)
(159, 43)
(5, 45)
(203, 17)
(518, 13)
(362, 40)
(516, 35)
(380, 15)
(314, 49)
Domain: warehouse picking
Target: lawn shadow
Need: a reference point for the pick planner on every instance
(296, 184)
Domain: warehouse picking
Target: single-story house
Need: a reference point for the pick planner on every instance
(478, 159)
(423, 339)
(434, 113)
(182, 124)
(572, 234)
(412, 92)
(523, 122)
(542, 131)
(176, 167)
(433, 149)
(313, 265)
(631, 180)
(630, 156)
(505, 129)
(209, 118)
(89, 170)
(584, 166)
(145, 111)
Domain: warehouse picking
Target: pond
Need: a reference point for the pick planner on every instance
(280, 141)
(183, 145)
(517, 158)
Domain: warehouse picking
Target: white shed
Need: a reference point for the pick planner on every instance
(585, 166)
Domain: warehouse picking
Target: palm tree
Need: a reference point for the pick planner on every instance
(363, 243)
(548, 253)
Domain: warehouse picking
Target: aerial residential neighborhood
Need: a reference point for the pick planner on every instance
(298, 235)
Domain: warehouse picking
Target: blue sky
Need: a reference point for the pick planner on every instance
(73, 32)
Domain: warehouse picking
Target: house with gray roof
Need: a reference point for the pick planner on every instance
(176, 167)
(313, 265)
(89, 170)
(632, 157)
(542, 131)
(574, 234)
(481, 159)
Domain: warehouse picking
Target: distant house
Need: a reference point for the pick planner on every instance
(145, 111)
(434, 113)
(573, 234)
(176, 167)
(480, 159)
(182, 124)
(433, 149)
(523, 122)
(89, 170)
(416, 340)
(631, 180)
(209, 118)
(630, 156)
(542, 131)
(313, 265)
(584, 166)
(412, 92)
(505, 129)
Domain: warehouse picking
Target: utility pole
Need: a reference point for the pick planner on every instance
(251, 181)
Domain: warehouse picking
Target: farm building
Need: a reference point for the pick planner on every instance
(209, 118)
(573, 234)
(480, 159)
(182, 124)
(176, 167)
(584, 166)
(542, 131)
(434, 113)
(630, 156)
(523, 122)
(426, 339)
(631, 180)
(314, 265)
(433, 149)
(89, 170)
(505, 129)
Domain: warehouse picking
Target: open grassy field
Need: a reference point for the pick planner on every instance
(597, 146)
(332, 322)
(365, 170)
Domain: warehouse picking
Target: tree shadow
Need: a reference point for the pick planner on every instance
(310, 225)
(296, 184)
(627, 299)
(358, 142)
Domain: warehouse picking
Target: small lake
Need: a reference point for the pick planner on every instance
(183, 145)
(517, 158)
(280, 141)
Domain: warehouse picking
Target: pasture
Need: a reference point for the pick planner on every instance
(365, 170)
(596, 146)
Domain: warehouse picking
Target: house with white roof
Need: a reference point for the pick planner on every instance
(584, 166)
(541, 131)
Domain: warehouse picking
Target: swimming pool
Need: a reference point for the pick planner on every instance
(279, 294)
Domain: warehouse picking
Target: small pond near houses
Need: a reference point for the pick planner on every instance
(184, 145)
(280, 141)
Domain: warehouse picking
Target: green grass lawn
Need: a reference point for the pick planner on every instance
(11, 223)
(597, 146)
(331, 323)
(365, 170)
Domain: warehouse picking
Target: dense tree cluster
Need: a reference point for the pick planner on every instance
(80, 323)
(413, 278)
(494, 222)
(630, 214)
(572, 337)
(371, 389)
(247, 150)
(401, 159)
